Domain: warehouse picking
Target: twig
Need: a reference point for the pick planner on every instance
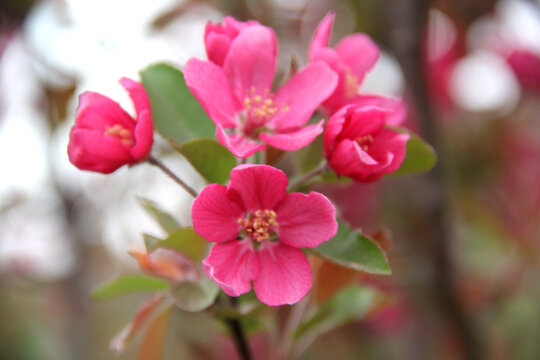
(238, 335)
(152, 160)
(295, 317)
(309, 175)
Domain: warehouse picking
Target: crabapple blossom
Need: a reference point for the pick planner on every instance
(105, 137)
(353, 57)
(358, 145)
(259, 229)
(238, 95)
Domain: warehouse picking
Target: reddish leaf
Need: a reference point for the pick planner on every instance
(141, 318)
(153, 342)
(167, 264)
(330, 279)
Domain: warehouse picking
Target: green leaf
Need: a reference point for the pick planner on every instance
(164, 219)
(419, 156)
(352, 249)
(310, 156)
(211, 159)
(127, 285)
(184, 240)
(177, 115)
(193, 297)
(350, 304)
(150, 242)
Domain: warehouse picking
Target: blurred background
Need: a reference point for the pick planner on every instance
(463, 240)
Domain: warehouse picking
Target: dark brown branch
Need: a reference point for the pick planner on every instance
(406, 21)
(238, 335)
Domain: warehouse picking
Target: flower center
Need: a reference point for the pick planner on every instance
(351, 84)
(121, 133)
(364, 141)
(258, 109)
(260, 224)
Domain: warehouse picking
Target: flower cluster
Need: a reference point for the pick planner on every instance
(259, 229)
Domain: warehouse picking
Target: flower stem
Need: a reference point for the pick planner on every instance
(153, 161)
(309, 175)
(238, 335)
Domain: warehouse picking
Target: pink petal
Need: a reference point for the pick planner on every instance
(94, 151)
(362, 121)
(293, 140)
(350, 160)
(285, 275)
(214, 215)
(397, 107)
(209, 85)
(240, 146)
(257, 187)
(359, 52)
(306, 220)
(251, 61)
(303, 94)
(218, 37)
(321, 38)
(232, 266)
(144, 136)
(334, 126)
(138, 95)
(217, 46)
(96, 111)
(390, 141)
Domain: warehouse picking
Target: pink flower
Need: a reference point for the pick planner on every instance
(239, 100)
(259, 229)
(352, 58)
(218, 37)
(358, 145)
(526, 65)
(105, 137)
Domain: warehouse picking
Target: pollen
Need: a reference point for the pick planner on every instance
(121, 133)
(351, 84)
(259, 225)
(259, 107)
(365, 141)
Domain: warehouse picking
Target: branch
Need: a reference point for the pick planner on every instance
(153, 161)
(407, 21)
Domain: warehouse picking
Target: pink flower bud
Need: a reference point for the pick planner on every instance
(218, 37)
(105, 136)
(358, 145)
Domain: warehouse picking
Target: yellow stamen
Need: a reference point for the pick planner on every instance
(121, 133)
(260, 224)
(365, 141)
(351, 84)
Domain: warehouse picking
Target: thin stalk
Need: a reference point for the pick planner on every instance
(295, 317)
(309, 175)
(238, 335)
(153, 161)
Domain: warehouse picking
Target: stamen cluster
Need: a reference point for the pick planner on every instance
(259, 108)
(121, 133)
(260, 224)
